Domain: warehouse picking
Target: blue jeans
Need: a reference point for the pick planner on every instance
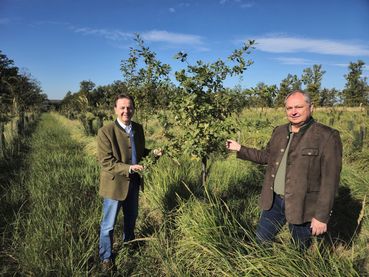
(110, 211)
(271, 222)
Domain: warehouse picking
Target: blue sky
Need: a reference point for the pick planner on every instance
(62, 42)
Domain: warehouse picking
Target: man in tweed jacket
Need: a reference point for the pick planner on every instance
(121, 146)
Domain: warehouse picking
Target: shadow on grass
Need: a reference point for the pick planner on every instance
(343, 226)
(241, 199)
(11, 168)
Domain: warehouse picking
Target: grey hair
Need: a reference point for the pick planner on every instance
(305, 94)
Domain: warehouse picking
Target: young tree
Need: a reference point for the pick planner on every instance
(287, 85)
(328, 97)
(144, 81)
(202, 106)
(356, 88)
(312, 79)
(264, 94)
(8, 79)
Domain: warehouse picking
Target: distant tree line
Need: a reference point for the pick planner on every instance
(355, 92)
(153, 90)
(21, 100)
(19, 91)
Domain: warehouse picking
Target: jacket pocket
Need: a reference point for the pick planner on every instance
(310, 152)
(107, 176)
(311, 157)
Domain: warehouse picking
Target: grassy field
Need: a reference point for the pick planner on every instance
(51, 209)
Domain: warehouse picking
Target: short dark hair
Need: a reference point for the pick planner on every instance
(122, 96)
(305, 94)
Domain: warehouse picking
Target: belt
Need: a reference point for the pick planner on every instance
(280, 196)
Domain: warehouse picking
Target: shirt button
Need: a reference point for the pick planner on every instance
(282, 150)
(277, 163)
(273, 176)
(271, 188)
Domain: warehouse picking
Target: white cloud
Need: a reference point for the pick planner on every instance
(172, 10)
(108, 34)
(346, 65)
(247, 5)
(153, 36)
(341, 64)
(241, 3)
(295, 61)
(174, 38)
(285, 44)
(149, 36)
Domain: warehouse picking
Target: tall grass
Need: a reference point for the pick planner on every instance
(184, 229)
(55, 232)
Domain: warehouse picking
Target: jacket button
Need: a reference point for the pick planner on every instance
(282, 150)
(277, 163)
(271, 188)
(273, 176)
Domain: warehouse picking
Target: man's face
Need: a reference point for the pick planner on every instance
(124, 110)
(298, 111)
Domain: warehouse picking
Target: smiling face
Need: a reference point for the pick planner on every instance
(298, 110)
(124, 110)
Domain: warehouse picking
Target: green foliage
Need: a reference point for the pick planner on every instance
(287, 85)
(262, 95)
(202, 106)
(19, 92)
(328, 97)
(312, 78)
(53, 233)
(149, 83)
(356, 88)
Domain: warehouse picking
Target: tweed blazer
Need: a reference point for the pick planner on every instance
(312, 171)
(114, 154)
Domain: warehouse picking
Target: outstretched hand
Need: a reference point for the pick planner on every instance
(136, 167)
(233, 145)
(158, 152)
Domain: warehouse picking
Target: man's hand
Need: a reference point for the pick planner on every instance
(317, 227)
(158, 152)
(135, 168)
(233, 145)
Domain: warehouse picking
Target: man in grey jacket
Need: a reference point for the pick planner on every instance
(304, 160)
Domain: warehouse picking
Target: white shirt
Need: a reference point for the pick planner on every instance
(128, 130)
(125, 127)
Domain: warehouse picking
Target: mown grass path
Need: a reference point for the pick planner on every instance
(55, 232)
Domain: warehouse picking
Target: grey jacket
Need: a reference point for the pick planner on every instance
(312, 172)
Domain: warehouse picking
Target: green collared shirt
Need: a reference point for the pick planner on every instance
(280, 177)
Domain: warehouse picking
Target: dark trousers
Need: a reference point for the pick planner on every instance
(271, 222)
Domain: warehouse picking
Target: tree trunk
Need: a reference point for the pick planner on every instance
(203, 171)
(2, 140)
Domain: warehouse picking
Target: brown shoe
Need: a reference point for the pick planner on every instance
(107, 266)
